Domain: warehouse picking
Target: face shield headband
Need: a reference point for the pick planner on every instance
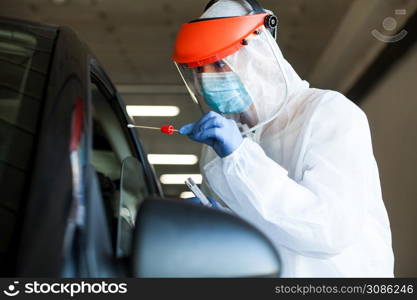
(271, 21)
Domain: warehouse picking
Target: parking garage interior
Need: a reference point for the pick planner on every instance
(328, 42)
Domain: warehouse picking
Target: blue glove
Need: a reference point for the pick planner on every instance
(214, 130)
(198, 201)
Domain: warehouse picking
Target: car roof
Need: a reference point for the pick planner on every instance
(46, 30)
(13, 21)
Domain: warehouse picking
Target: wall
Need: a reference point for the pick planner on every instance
(392, 112)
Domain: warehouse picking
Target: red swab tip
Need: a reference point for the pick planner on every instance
(168, 129)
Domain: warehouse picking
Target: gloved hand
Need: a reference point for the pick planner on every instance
(198, 201)
(214, 130)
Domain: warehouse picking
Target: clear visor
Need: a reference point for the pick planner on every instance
(249, 86)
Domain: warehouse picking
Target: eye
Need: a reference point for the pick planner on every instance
(219, 64)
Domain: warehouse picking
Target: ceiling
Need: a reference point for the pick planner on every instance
(133, 40)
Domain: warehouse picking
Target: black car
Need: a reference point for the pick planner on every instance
(78, 196)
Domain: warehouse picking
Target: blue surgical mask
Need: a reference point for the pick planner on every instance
(224, 92)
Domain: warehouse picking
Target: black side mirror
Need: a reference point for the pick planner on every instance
(176, 239)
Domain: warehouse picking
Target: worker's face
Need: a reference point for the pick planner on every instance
(249, 116)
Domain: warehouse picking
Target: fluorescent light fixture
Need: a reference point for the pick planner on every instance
(185, 195)
(152, 111)
(172, 159)
(180, 178)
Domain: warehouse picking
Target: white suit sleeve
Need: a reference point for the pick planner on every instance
(321, 214)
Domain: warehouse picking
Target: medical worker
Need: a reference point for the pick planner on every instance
(295, 161)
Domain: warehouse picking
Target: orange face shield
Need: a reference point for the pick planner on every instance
(205, 55)
(205, 41)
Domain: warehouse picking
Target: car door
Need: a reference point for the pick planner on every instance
(112, 150)
(44, 236)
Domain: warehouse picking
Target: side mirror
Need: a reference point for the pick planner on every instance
(176, 239)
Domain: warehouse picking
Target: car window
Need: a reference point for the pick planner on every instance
(112, 153)
(24, 61)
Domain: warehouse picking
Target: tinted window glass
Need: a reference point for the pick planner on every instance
(24, 61)
(111, 150)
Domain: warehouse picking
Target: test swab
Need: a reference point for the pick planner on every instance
(168, 129)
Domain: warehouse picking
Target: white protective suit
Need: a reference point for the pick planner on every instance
(308, 179)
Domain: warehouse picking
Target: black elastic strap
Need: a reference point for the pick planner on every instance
(256, 7)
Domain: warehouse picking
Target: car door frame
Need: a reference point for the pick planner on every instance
(98, 74)
(47, 210)
(50, 193)
(96, 256)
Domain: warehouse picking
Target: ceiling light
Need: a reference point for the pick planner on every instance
(152, 111)
(185, 195)
(172, 159)
(180, 178)
(59, 2)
